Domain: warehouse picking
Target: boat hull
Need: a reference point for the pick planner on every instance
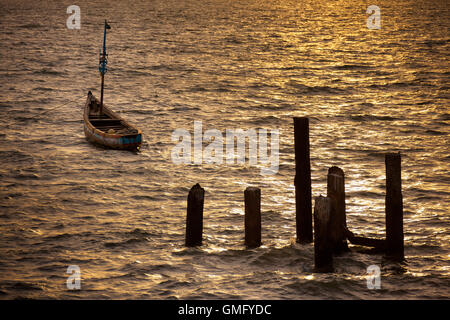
(113, 141)
(129, 141)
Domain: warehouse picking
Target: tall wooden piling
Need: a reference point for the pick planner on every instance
(194, 218)
(252, 217)
(302, 181)
(394, 207)
(323, 253)
(338, 223)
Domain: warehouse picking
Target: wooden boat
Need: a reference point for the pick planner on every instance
(108, 128)
(103, 126)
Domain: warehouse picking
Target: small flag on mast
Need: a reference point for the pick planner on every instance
(103, 55)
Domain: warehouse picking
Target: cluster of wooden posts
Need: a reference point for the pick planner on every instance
(330, 228)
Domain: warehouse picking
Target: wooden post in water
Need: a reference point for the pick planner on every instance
(252, 217)
(302, 181)
(336, 192)
(394, 207)
(194, 218)
(323, 254)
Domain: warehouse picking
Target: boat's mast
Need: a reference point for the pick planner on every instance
(102, 65)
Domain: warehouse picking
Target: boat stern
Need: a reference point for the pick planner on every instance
(132, 141)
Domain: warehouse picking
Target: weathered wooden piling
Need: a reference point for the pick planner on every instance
(394, 207)
(323, 254)
(252, 197)
(302, 181)
(194, 218)
(338, 223)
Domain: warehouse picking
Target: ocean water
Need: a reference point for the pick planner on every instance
(120, 216)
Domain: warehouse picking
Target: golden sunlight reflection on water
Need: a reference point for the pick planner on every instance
(249, 65)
